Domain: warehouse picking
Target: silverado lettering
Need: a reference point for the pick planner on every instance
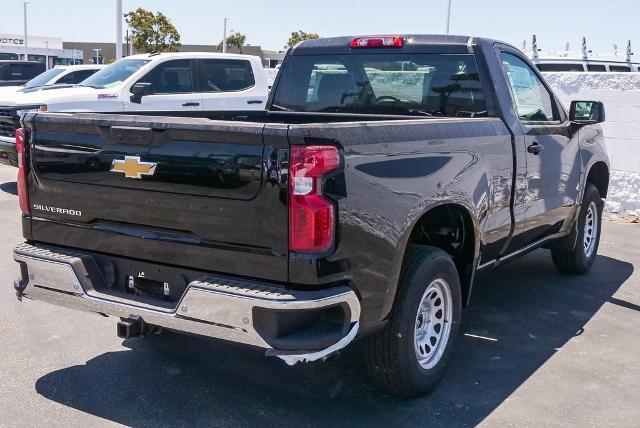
(57, 210)
(386, 174)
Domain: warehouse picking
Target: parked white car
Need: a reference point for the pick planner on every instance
(163, 82)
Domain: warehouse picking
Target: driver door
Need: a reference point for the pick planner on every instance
(173, 88)
(551, 151)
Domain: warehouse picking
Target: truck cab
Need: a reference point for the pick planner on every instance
(16, 73)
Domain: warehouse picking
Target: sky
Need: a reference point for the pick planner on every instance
(268, 23)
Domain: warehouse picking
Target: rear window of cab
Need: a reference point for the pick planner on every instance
(395, 83)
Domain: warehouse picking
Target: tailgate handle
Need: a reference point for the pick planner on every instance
(139, 136)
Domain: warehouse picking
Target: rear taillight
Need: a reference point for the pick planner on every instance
(312, 219)
(21, 148)
(377, 42)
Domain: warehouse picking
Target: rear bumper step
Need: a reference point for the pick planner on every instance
(250, 313)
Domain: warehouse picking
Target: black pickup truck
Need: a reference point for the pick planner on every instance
(17, 73)
(385, 175)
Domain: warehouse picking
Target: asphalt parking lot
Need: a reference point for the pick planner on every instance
(539, 349)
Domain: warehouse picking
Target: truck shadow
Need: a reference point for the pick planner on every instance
(10, 187)
(520, 317)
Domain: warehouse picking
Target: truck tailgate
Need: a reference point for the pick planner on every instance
(189, 191)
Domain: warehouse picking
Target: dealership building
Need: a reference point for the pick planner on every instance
(50, 50)
(54, 51)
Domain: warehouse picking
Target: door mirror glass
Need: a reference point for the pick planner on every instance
(139, 90)
(586, 112)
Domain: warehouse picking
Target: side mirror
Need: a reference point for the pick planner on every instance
(139, 90)
(586, 112)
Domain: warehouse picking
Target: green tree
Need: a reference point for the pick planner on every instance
(298, 36)
(152, 32)
(234, 40)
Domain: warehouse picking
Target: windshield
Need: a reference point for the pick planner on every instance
(44, 78)
(115, 74)
(394, 83)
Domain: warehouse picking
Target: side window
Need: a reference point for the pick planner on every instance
(620, 68)
(596, 68)
(20, 72)
(75, 77)
(171, 77)
(533, 101)
(226, 75)
(561, 67)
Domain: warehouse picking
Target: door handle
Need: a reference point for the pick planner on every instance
(535, 148)
(190, 104)
(254, 102)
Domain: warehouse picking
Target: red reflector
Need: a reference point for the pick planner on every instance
(377, 42)
(21, 181)
(311, 215)
(311, 224)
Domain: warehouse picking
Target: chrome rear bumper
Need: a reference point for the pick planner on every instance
(214, 307)
(8, 154)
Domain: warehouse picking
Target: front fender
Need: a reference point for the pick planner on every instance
(592, 150)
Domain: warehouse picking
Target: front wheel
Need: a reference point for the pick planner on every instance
(580, 259)
(410, 355)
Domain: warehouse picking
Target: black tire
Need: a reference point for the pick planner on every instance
(578, 260)
(391, 355)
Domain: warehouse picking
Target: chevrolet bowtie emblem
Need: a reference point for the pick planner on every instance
(132, 167)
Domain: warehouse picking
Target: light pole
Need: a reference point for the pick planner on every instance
(127, 39)
(448, 15)
(118, 29)
(26, 43)
(97, 55)
(224, 37)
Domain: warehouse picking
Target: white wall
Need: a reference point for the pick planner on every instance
(271, 75)
(620, 93)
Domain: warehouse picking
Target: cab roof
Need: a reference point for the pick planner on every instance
(188, 55)
(412, 43)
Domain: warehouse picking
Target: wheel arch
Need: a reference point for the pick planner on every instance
(438, 216)
(598, 175)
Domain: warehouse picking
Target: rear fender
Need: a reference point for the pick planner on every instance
(415, 215)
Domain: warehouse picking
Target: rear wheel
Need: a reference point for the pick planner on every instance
(410, 355)
(580, 259)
